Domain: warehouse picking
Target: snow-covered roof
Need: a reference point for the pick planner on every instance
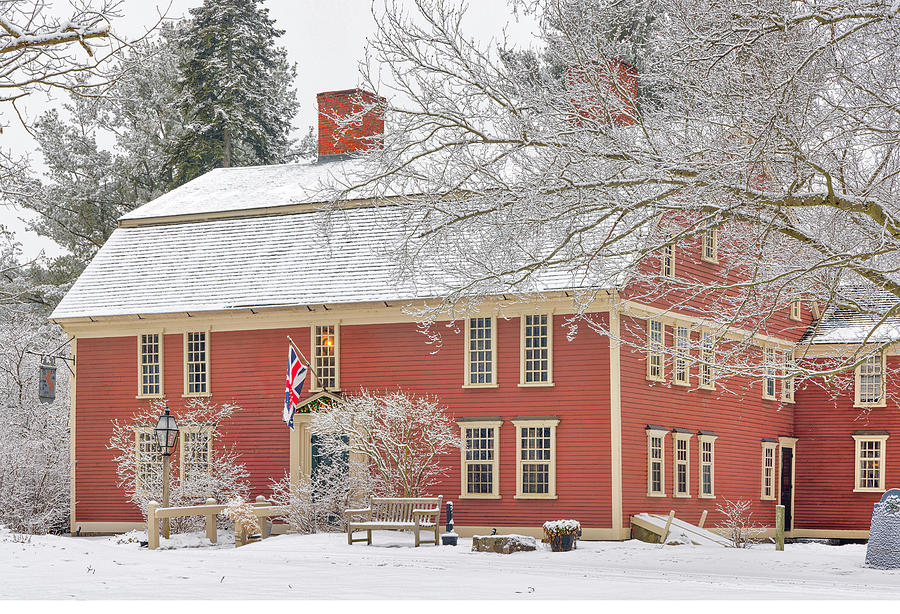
(857, 317)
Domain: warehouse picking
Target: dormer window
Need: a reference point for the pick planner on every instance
(796, 313)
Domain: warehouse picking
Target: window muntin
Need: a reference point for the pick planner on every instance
(537, 367)
(656, 469)
(667, 265)
(707, 358)
(681, 454)
(480, 459)
(707, 466)
(787, 382)
(196, 364)
(681, 374)
(481, 356)
(768, 471)
(768, 391)
(655, 346)
(711, 245)
(870, 381)
(325, 340)
(148, 461)
(536, 458)
(870, 462)
(150, 365)
(196, 451)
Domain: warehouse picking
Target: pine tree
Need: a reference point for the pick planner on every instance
(235, 90)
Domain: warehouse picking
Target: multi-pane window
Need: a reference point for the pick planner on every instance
(480, 352)
(480, 477)
(667, 268)
(536, 349)
(196, 367)
(769, 377)
(655, 345)
(148, 461)
(710, 245)
(656, 471)
(707, 358)
(682, 459)
(870, 458)
(787, 382)
(150, 364)
(196, 449)
(869, 381)
(707, 465)
(768, 470)
(795, 309)
(536, 462)
(681, 373)
(325, 357)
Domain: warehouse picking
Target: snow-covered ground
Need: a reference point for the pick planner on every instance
(325, 567)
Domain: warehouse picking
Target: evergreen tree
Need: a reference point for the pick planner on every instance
(235, 90)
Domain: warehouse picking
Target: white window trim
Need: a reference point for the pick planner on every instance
(184, 363)
(522, 382)
(463, 483)
(856, 386)
(313, 380)
(676, 437)
(770, 373)
(773, 446)
(194, 428)
(715, 246)
(661, 433)
(667, 260)
(687, 361)
(537, 423)
(858, 439)
(795, 310)
(467, 364)
(661, 353)
(701, 439)
(712, 369)
(140, 378)
(788, 388)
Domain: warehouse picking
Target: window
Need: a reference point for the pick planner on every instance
(768, 391)
(655, 345)
(326, 357)
(480, 468)
(481, 359)
(148, 461)
(795, 310)
(196, 451)
(681, 476)
(656, 470)
(768, 469)
(537, 347)
(150, 365)
(711, 245)
(870, 459)
(787, 382)
(707, 358)
(869, 381)
(682, 374)
(707, 464)
(667, 268)
(196, 364)
(536, 458)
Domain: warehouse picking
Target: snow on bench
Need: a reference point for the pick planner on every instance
(412, 514)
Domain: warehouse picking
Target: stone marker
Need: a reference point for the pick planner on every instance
(503, 544)
(883, 550)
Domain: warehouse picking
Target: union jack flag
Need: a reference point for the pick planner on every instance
(293, 385)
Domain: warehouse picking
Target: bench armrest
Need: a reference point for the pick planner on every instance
(365, 510)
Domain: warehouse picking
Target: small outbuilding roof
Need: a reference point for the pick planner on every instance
(857, 317)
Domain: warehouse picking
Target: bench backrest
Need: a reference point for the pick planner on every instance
(400, 510)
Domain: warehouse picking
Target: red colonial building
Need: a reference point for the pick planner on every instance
(196, 292)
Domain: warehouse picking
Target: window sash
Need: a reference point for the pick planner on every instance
(707, 468)
(655, 345)
(536, 350)
(536, 458)
(656, 470)
(870, 381)
(769, 386)
(480, 460)
(682, 471)
(768, 472)
(787, 383)
(707, 355)
(870, 453)
(148, 461)
(196, 363)
(150, 351)
(710, 245)
(325, 357)
(682, 351)
(667, 266)
(796, 310)
(480, 351)
(196, 451)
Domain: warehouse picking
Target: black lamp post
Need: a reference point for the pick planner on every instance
(166, 435)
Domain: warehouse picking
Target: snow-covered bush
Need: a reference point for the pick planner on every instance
(737, 524)
(239, 511)
(400, 438)
(191, 480)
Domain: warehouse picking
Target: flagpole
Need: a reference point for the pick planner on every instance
(308, 364)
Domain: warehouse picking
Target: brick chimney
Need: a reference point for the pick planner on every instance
(365, 131)
(605, 91)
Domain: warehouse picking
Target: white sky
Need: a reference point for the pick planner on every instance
(326, 39)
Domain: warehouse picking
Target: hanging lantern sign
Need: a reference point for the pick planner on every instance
(47, 382)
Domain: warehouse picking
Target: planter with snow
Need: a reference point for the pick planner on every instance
(562, 534)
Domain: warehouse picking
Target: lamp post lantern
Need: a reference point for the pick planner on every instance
(166, 435)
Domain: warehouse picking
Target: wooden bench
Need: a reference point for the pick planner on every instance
(396, 515)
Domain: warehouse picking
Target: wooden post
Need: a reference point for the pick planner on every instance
(779, 528)
(668, 524)
(211, 533)
(702, 519)
(165, 501)
(152, 526)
